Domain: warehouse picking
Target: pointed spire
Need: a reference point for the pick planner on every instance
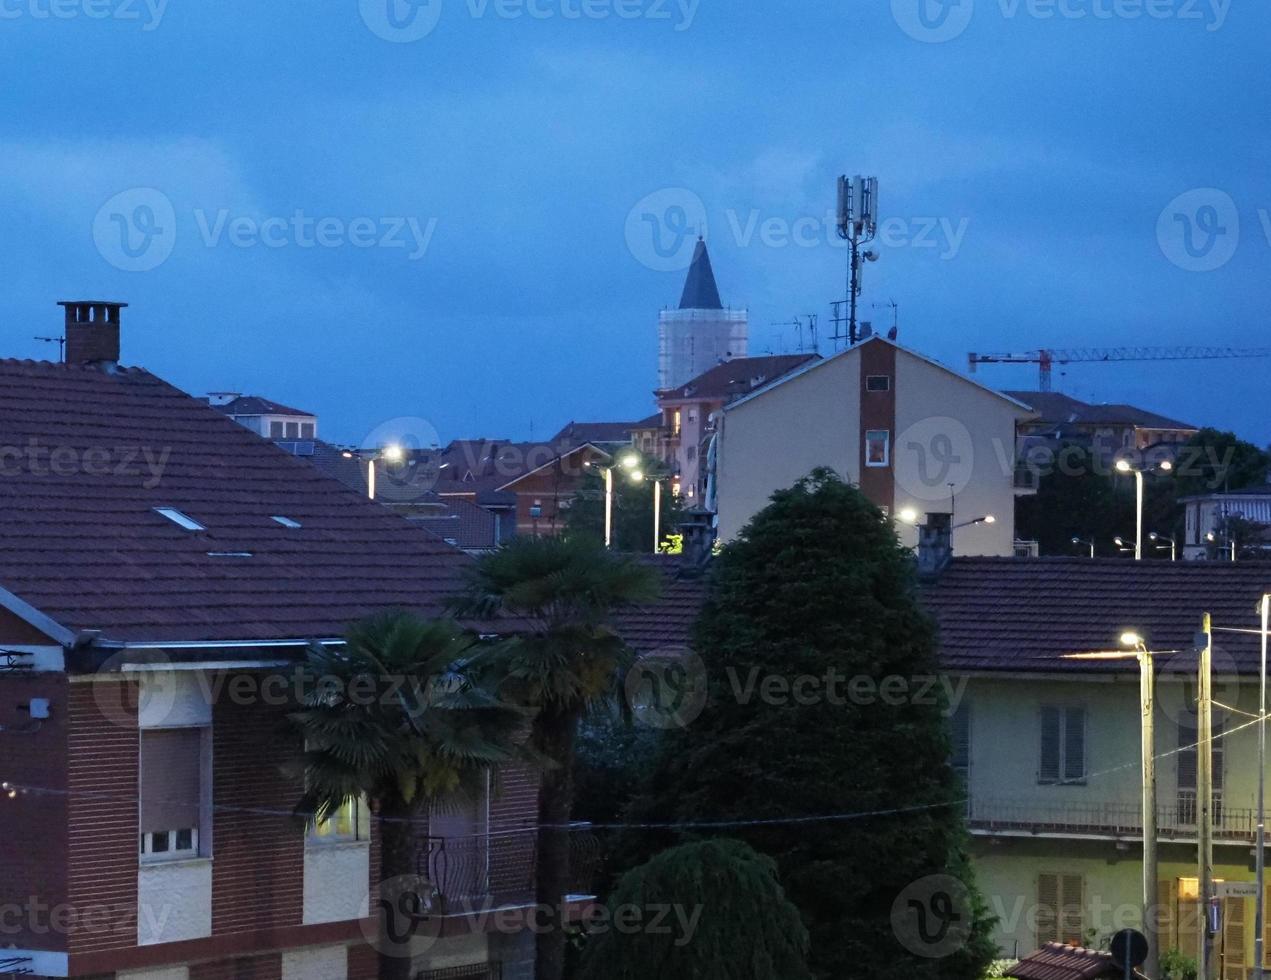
(700, 291)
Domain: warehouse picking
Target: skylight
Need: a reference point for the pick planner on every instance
(180, 519)
(287, 522)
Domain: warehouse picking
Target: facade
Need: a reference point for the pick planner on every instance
(1050, 747)
(1208, 518)
(267, 419)
(701, 332)
(162, 571)
(917, 437)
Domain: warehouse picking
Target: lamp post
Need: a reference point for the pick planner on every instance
(1212, 538)
(630, 462)
(1079, 542)
(1135, 647)
(1260, 857)
(392, 452)
(1126, 546)
(1125, 466)
(1169, 542)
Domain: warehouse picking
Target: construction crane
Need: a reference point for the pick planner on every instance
(1047, 359)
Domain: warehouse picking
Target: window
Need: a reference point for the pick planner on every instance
(348, 824)
(180, 519)
(1060, 907)
(286, 522)
(306, 430)
(1063, 745)
(293, 430)
(960, 736)
(878, 447)
(1188, 757)
(171, 793)
(878, 382)
(675, 423)
(276, 430)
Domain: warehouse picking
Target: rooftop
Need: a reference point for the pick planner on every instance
(83, 545)
(700, 290)
(737, 377)
(247, 405)
(1054, 961)
(1055, 408)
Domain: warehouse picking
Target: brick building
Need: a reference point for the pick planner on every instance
(159, 565)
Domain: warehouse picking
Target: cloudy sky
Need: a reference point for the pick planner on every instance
(471, 211)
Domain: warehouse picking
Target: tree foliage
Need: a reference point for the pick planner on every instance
(729, 919)
(632, 507)
(818, 585)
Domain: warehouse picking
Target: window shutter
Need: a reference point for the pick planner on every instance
(1266, 934)
(1047, 909)
(1189, 926)
(1071, 910)
(1186, 756)
(1167, 914)
(1075, 744)
(960, 724)
(1049, 769)
(171, 779)
(1233, 939)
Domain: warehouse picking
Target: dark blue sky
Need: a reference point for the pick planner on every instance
(512, 141)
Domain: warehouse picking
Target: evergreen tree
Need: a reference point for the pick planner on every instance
(818, 586)
(727, 918)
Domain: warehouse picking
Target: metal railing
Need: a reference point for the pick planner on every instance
(486, 871)
(1175, 817)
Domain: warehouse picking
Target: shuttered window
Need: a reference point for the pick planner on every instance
(171, 791)
(1233, 938)
(1188, 757)
(1060, 909)
(960, 736)
(1063, 745)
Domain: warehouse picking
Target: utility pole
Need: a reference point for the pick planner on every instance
(857, 225)
(1151, 912)
(1207, 960)
(1260, 856)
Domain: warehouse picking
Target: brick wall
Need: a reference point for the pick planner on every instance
(363, 963)
(33, 842)
(267, 967)
(103, 747)
(258, 868)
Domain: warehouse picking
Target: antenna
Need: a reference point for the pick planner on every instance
(857, 224)
(809, 322)
(61, 346)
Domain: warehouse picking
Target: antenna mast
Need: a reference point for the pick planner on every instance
(857, 224)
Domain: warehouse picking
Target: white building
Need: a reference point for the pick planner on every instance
(701, 333)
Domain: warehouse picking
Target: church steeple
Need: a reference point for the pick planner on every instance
(700, 291)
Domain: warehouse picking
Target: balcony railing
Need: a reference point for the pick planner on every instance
(488, 871)
(1175, 818)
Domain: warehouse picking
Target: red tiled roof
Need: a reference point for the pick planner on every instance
(255, 405)
(1058, 962)
(577, 433)
(1014, 614)
(669, 621)
(737, 377)
(1054, 407)
(81, 543)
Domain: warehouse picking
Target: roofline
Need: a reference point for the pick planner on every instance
(555, 459)
(814, 364)
(33, 617)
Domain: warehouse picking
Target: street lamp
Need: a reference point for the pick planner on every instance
(393, 452)
(1079, 542)
(1212, 538)
(1135, 647)
(1169, 543)
(1125, 466)
(1126, 546)
(629, 462)
(1260, 853)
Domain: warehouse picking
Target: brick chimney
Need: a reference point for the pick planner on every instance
(698, 528)
(935, 545)
(92, 333)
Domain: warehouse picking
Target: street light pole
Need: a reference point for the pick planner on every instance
(657, 515)
(1207, 962)
(608, 507)
(1147, 706)
(1138, 535)
(1260, 855)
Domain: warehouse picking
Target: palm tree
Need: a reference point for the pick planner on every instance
(560, 595)
(393, 718)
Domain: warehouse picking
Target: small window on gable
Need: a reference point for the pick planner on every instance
(276, 430)
(293, 430)
(180, 519)
(878, 447)
(306, 430)
(286, 521)
(878, 382)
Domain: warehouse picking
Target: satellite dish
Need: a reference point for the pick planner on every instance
(1129, 949)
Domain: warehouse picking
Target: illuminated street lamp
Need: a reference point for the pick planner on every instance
(1079, 542)
(986, 519)
(393, 452)
(1125, 466)
(1126, 546)
(1168, 542)
(629, 462)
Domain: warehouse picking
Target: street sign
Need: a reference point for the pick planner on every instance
(1129, 949)
(1236, 889)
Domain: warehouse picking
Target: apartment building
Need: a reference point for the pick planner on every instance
(160, 568)
(1050, 746)
(916, 436)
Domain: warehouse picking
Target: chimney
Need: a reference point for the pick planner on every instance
(698, 528)
(92, 333)
(935, 545)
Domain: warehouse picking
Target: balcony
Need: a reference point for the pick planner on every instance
(1175, 819)
(464, 875)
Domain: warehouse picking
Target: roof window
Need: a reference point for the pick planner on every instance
(179, 519)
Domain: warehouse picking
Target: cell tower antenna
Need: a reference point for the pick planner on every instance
(857, 225)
